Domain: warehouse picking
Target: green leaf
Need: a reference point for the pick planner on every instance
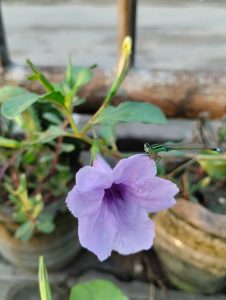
(215, 168)
(9, 91)
(97, 290)
(25, 231)
(16, 105)
(55, 97)
(81, 76)
(19, 103)
(67, 147)
(69, 73)
(29, 156)
(9, 143)
(78, 102)
(50, 134)
(131, 112)
(45, 225)
(95, 149)
(20, 217)
(37, 206)
(107, 132)
(44, 287)
(38, 75)
(51, 117)
(29, 120)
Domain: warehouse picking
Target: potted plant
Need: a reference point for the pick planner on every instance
(190, 237)
(34, 181)
(98, 133)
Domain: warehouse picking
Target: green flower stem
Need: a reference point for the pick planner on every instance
(113, 90)
(72, 123)
(103, 148)
(180, 168)
(88, 140)
(123, 67)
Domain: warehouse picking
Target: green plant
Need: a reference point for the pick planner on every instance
(35, 175)
(92, 290)
(34, 134)
(202, 177)
(65, 98)
(30, 185)
(44, 287)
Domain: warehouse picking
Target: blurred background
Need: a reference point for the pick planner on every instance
(179, 65)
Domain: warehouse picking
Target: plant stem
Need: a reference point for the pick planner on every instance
(82, 136)
(111, 93)
(103, 148)
(181, 168)
(101, 108)
(73, 125)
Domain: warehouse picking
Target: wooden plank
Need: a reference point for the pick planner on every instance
(183, 94)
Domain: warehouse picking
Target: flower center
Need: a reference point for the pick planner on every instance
(113, 193)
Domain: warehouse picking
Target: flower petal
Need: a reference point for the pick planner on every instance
(97, 232)
(101, 164)
(135, 168)
(135, 230)
(154, 195)
(90, 178)
(84, 203)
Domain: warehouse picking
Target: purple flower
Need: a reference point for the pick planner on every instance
(112, 205)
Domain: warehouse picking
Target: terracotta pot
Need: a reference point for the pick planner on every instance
(191, 245)
(58, 248)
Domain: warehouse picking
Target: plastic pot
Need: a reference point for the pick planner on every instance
(58, 248)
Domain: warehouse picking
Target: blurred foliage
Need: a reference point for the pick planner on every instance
(34, 170)
(34, 179)
(202, 179)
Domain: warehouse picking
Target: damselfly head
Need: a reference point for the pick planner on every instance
(147, 148)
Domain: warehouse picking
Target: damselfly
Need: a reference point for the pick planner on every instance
(153, 150)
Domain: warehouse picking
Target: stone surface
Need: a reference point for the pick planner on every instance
(143, 291)
(30, 291)
(14, 282)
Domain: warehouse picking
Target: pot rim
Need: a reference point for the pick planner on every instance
(177, 248)
(200, 217)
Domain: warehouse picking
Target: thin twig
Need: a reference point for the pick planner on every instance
(55, 161)
(181, 168)
(8, 164)
(58, 150)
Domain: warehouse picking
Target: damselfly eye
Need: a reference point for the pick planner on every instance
(146, 147)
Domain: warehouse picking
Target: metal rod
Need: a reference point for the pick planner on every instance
(4, 56)
(133, 29)
(127, 23)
